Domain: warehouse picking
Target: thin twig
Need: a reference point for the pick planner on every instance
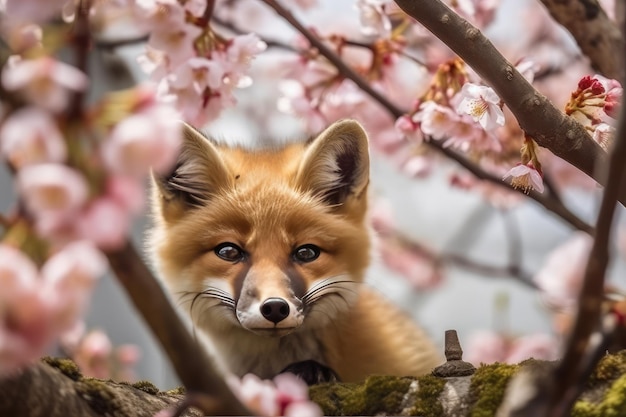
(81, 38)
(550, 204)
(110, 44)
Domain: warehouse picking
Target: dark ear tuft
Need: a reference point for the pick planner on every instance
(336, 163)
(197, 174)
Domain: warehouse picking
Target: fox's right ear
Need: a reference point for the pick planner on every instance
(198, 173)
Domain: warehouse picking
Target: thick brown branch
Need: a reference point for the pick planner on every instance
(192, 364)
(58, 390)
(598, 37)
(547, 125)
(591, 294)
(551, 204)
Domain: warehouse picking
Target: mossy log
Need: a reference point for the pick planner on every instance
(56, 388)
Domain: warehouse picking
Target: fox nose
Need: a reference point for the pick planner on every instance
(275, 309)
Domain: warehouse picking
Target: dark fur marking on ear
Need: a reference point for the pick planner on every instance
(347, 164)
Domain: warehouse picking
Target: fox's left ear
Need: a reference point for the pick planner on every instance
(336, 163)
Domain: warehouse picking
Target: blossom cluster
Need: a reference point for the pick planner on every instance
(38, 304)
(79, 175)
(595, 103)
(196, 69)
(285, 395)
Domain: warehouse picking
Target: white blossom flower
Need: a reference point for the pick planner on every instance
(483, 104)
(52, 189)
(43, 81)
(525, 178)
(374, 20)
(31, 136)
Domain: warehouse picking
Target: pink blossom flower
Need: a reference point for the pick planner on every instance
(199, 74)
(483, 104)
(486, 347)
(144, 140)
(538, 346)
(525, 177)
(409, 129)
(31, 136)
(105, 223)
(293, 397)
(294, 100)
(52, 189)
(560, 277)
(176, 40)
(43, 81)
(374, 20)
(38, 306)
(604, 134)
(69, 277)
(32, 11)
(239, 54)
(155, 15)
(287, 395)
(436, 120)
(93, 355)
(127, 192)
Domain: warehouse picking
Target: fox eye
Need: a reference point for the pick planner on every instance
(229, 252)
(306, 253)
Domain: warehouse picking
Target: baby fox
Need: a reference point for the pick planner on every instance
(266, 252)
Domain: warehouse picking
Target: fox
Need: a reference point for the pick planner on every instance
(265, 252)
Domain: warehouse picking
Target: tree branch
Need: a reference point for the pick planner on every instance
(194, 368)
(547, 125)
(598, 37)
(549, 203)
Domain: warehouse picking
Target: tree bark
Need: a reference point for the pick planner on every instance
(54, 388)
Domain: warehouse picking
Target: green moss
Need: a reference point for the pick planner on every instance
(609, 368)
(98, 395)
(614, 404)
(487, 388)
(146, 386)
(176, 391)
(377, 394)
(427, 398)
(66, 366)
(584, 409)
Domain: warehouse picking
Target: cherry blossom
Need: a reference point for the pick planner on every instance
(32, 11)
(483, 104)
(560, 277)
(52, 189)
(176, 40)
(525, 177)
(36, 307)
(31, 136)
(604, 134)
(485, 347)
(147, 139)
(409, 129)
(286, 395)
(374, 20)
(43, 81)
(105, 223)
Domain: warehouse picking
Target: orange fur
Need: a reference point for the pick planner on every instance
(271, 204)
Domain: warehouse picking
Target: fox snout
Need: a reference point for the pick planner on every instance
(267, 304)
(270, 316)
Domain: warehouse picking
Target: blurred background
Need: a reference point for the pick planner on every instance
(443, 219)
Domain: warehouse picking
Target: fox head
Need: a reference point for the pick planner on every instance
(268, 241)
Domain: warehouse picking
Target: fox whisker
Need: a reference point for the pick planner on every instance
(326, 287)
